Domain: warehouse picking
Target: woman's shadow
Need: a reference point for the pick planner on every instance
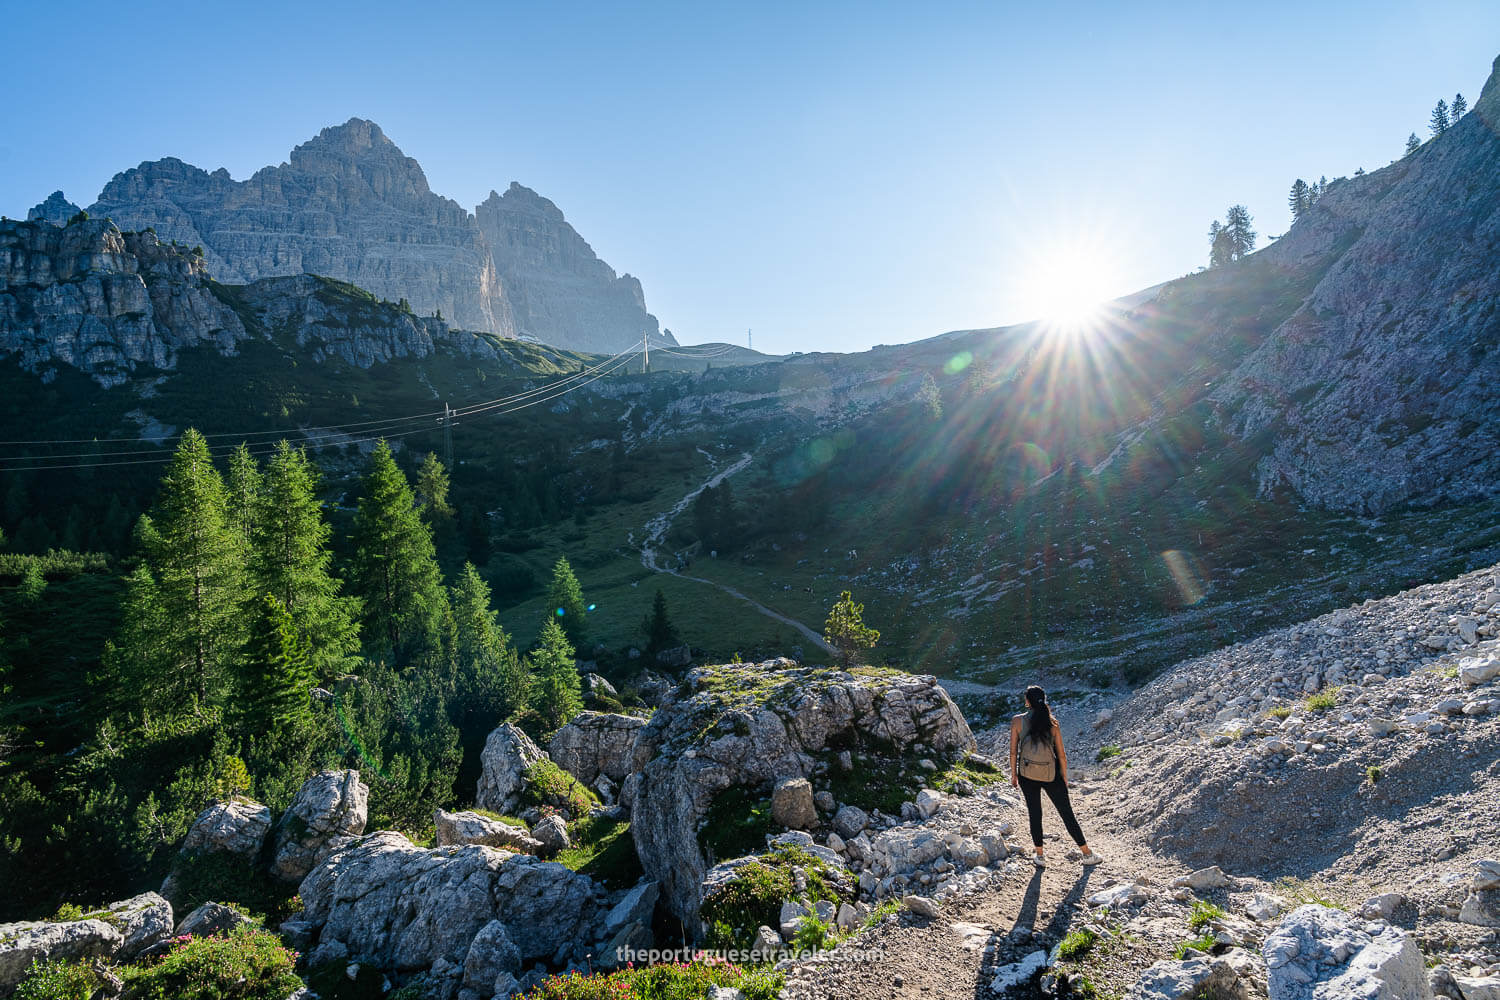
(1026, 919)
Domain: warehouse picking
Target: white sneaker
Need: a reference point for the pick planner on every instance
(1092, 858)
(1039, 861)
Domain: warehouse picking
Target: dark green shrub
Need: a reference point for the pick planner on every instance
(222, 878)
(245, 964)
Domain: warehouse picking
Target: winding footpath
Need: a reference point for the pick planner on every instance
(656, 533)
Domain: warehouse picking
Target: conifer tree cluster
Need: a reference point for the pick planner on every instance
(1232, 239)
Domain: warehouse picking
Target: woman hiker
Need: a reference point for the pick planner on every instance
(1038, 763)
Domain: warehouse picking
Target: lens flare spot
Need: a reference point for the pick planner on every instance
(821, 451)
(958, 362)
(1186, 576)
(561, 612)
(591, 607)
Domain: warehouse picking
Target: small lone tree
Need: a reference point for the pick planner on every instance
(930, 398)
(1300, 198)
(1457, 111)
(845, 629)
(658, 628)
(557, 692)
(1412, 144)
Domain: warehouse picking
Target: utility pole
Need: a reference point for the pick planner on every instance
(448, 437)
(750, 339)
(646, 346)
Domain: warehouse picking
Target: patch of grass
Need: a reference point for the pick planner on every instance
(978, 771)
(1106, 752)
(1203, 944)
(754, 898)
(1302, 892)
(1325, 700)
(1373, 774)
(1203, 914)
(813, 935)
(737, 823)
(1077, 944)
(1280, 712)
(549, 785)
(679, 981)
(602, 849)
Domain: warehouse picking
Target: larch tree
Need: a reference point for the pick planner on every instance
(1438, 123)
(1241, 236)
(1412, 144)
(565, 602)
(1300, 199)
(557, 692)
(244, 485)
(276, 674)
(198, 562)
(432, 489)
(1458, 110)
(395, 570)
(291, 562)
(492, 682)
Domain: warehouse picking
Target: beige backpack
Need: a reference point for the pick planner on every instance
(1036, 758)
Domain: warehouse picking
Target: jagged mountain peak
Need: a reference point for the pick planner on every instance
(1488, 105)
(57, 209)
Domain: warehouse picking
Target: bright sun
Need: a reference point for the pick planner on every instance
(1070, 282)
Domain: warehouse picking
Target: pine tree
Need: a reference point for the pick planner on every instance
(395, 571)
(1241, 236)
(1300, 199)
(657, 627)
(291, 561)
(432, 489)
(845, 629)
(1412, 144)
(1439, 121)
(1219, 250)
(490, 674)
(198, 564)
(557, 692)
(276, 676)
(565, 602)
(244, 486)
(33, 583)
(1459, 109)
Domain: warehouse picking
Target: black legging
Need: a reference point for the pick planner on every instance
(1057, 791)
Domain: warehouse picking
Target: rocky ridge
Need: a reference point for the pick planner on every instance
(112, 303)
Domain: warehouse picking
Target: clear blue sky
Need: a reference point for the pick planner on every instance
(833, 175)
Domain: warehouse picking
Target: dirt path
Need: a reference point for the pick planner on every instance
(656, 533)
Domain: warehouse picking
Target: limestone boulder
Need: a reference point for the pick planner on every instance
(594, 744)
(792, 804)
(551, 832)
(143, 920)
(211, 918)
(457, 829)
(409, 909)
(507, 753)
(23, 943)
(329, 812)
(1319, 953)
(236, 826)
(1189, 980)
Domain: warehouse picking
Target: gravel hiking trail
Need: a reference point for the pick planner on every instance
(656, 533)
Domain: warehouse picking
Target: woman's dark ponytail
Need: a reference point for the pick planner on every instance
(1039, 720)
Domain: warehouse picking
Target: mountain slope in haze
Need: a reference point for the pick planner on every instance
(349, 204)
(560, 292)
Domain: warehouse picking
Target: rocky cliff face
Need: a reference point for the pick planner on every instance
(1385, 384)
(106, 302)
(349, 204)
(560, 292)
(56, 210)
(97, 299)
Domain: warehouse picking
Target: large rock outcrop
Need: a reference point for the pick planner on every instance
(23, 943)
(236, 827)
(409, 910)
(329, 812)
(56, 209)
(596, 743)
(752, 725)
(559, 291)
